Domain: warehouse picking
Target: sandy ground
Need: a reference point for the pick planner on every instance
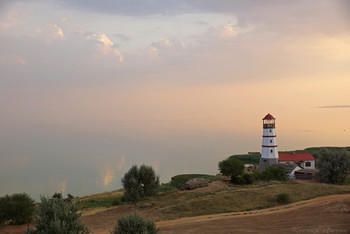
(330, 214)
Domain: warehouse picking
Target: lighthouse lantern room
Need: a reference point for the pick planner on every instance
(269, 152)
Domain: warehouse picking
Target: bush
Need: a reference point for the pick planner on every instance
(134, 223)
(334, 166)
(56, 215)
(140, 183)
(249, 178)
(275, 173)
(231, 167)
(283, 198)
(16, 209)
(246, 178)
(238, 179)
(165, 187)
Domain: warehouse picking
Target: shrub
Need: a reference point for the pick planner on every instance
(238, 179)
(334, 166)
(231, 167)
(140, 183)
(16, 209)
(56, 215)
(283, 198)
(116, 201)
(134, 223)
(164, 187)
(249, 178)
(275, 173)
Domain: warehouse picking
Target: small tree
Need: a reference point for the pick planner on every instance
(140, 183)
(16, 209)
(334, 166)
(56, 215)
(134, 223)
(275, 173)
(231, 167)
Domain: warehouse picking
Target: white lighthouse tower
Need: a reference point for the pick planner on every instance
(269, 152)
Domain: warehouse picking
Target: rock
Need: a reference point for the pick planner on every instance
(195, 183)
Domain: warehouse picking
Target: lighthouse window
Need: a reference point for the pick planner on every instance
(308, 164)
(270, 141)
(270, 130)
(271, 151)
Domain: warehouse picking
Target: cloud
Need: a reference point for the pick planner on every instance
(12, 60)
(14, 17)
(226, 31)
(165, 47)
(105, 45)
(56, 31)
(333, 106)
(50, 33)
(168, 43)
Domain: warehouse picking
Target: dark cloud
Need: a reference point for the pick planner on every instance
(283, 16)
(334, 106)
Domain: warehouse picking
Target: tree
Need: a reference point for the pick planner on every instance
(56, 215)
(140, 183)
(275, 173)
(334, 166)
(231, 167)
(16, 209)
(134, 223)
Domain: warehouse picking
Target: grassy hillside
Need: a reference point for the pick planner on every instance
(221, 196)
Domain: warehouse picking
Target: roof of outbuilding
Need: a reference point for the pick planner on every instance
(296, 157)
(269, 116)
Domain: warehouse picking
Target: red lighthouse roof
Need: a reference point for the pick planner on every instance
(269, 116)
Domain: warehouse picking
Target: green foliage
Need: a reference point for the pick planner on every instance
(16, 209)
(56, 215)
(283, 198)
(165, 187)
(275, 173)
(134, 223)
(178, 180)
(57, 195)
(231, 167)
(245, 178)
(248, 158)
(140, 183)
(100, 202)
(334, 166)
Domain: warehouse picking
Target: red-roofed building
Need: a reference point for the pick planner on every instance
(303, 159)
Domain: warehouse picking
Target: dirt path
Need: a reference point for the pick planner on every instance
(329, 214)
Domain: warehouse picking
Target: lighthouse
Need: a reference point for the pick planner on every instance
(269, 152)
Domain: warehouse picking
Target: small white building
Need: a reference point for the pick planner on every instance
(302, 159)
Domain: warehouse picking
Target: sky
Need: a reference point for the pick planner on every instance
(89, 88)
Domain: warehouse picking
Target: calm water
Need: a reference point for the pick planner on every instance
(85, 164)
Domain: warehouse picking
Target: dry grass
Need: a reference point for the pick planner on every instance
(177, 204)
(223, 197)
